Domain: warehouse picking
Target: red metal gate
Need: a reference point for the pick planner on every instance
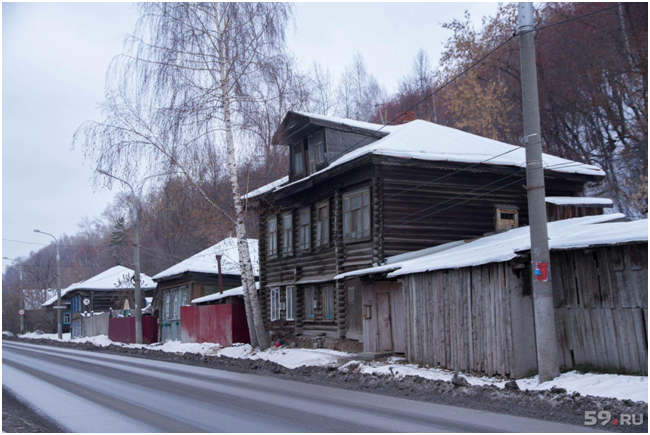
(122, 329)
(224, 324)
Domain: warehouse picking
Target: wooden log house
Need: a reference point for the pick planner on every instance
(105, 291)
(358, 193)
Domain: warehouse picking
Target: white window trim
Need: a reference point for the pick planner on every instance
(275, 304)
(290, 302)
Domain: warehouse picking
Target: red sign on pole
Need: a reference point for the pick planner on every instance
(541, 271)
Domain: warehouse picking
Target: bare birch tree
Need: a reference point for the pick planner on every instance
(188, 75)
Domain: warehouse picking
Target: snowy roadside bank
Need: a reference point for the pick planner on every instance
(621, 387)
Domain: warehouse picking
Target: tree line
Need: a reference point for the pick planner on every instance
(194, 99)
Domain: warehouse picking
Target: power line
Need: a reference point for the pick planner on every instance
(578, 17)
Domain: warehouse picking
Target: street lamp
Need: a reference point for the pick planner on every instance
(22, 295)
(136, 257)
(59, 307)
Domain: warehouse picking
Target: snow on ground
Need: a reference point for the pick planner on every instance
(289, 357)
(603, 385)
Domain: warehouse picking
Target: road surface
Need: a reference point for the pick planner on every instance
(90, 392)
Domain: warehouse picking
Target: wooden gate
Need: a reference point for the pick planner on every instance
(384, 322)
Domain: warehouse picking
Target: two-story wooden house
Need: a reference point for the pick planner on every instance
(358, 193)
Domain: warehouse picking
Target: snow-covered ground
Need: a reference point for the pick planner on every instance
(604, 385)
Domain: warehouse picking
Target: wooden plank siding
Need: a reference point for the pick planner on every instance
(601, 301)
(480, 319)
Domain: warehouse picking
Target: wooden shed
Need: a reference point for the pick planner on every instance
(469, 306)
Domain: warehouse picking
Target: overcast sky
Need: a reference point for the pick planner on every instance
(55, 56)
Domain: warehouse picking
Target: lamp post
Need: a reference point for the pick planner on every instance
(59, 307)
(136, 258)
(22, 293)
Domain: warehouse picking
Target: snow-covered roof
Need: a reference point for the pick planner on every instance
(266, 188)
(574, 233)
(577, 200)
(206, 261)
(424, 140)
(117, 277)
(237, 291)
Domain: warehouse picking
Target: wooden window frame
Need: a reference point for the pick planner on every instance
(327, 293)
(319, 228)
(316, 150)
(271, 237)
(275, 303)
(505, 209)
(304, 245)
(287, 235)
(310, 298)
(299, 156)
(290, 301)
(347, 216)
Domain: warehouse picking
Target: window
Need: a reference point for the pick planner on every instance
(298, 160)
(310, 303)
(67, 318)
(287, 234)
(275, 304)
(316, 145)
(328, 303)
(304, 227)
(209, 289)
(272, 243)
(507, 218)
(322, 224)
(76, 304)
(356, 215)
(291, 303)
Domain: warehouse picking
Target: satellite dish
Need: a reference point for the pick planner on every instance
(86, 301)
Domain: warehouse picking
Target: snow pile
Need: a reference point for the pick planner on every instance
(565, 234)
(288, 357)
(115, 278)
(604, 385)
(206, 260)
(42, 336)
(7, 334)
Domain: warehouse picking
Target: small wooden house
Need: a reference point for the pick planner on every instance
(469, 306)
(359, 193)
(104, 292)
(205, 273)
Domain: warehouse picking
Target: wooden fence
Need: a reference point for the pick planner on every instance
(601, 300)
(481, 318)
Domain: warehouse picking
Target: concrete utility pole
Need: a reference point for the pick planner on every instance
(136, 258)
(59, 307)
(22, 293)
(545, 332)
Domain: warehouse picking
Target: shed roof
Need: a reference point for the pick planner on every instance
(579, 201)
(206, 261)
(115, 278)
(565, 234)
(237, 291)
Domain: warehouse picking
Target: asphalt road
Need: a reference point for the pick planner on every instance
(89, 392)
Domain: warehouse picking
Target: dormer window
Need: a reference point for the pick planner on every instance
(298, 160)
